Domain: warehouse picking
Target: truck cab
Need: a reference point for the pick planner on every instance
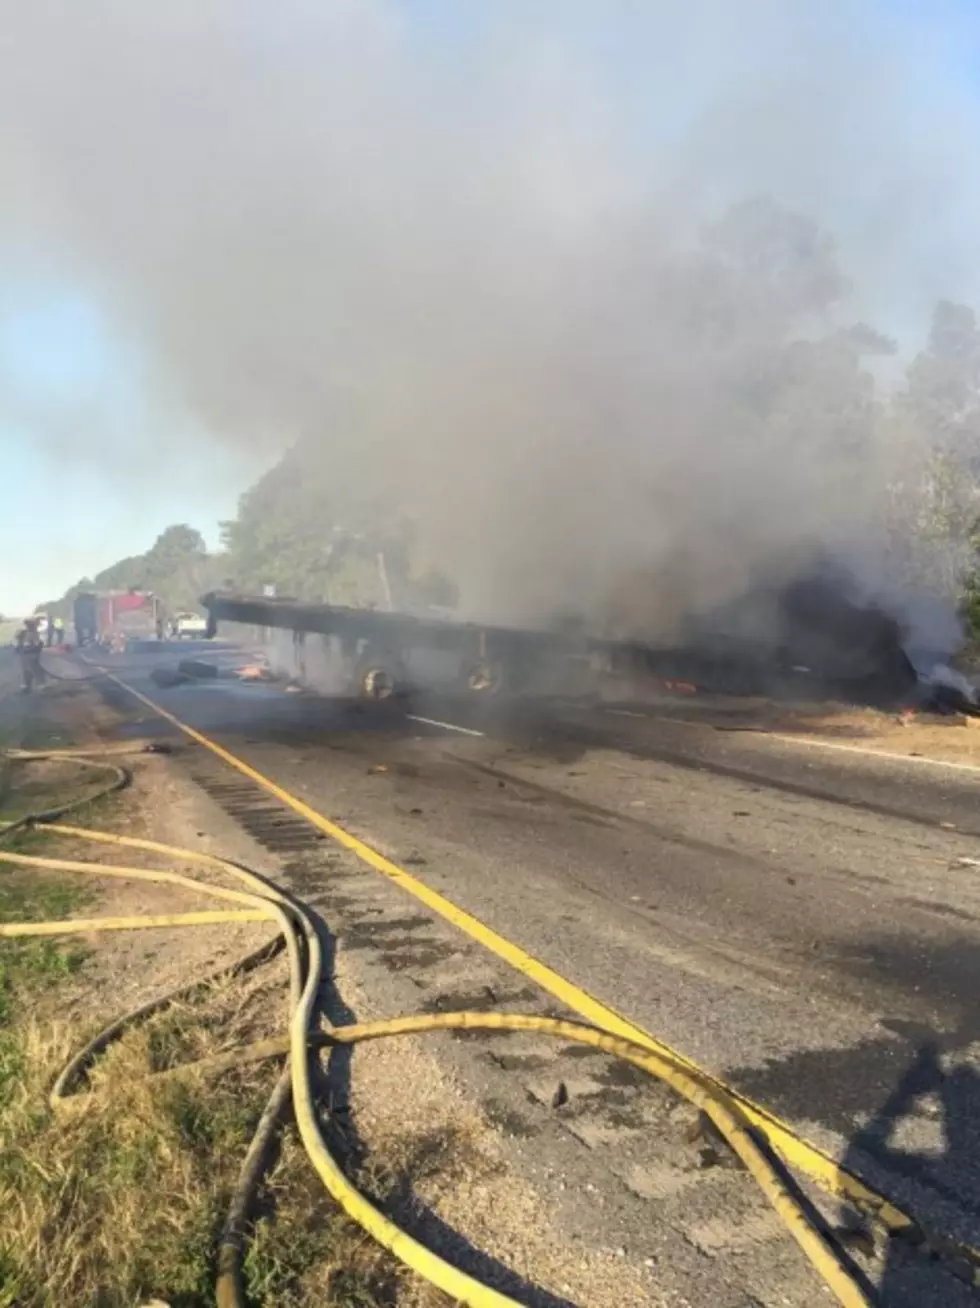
(189, 626)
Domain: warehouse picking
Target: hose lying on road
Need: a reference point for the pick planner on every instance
(79, 677)
(299, 930)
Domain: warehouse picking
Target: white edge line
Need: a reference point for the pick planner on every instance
(871, 753)
(449, 726)
(886, 754)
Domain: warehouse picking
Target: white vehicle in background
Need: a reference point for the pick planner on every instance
(189, 626)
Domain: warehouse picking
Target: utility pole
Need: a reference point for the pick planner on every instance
(383, 574)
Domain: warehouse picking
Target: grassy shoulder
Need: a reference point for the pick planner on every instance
(119, 1198)
(29, 968)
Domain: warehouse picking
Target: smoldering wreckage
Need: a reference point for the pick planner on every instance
(823, 641)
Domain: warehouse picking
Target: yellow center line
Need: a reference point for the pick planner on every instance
(792, 1148)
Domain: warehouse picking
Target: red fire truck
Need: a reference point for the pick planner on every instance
(113, 617)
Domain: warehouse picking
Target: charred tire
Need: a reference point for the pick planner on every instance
(166, 678)
(485, 677)
(197, 669)
(379, 674)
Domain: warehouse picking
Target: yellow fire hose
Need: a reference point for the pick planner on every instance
(308, 1031)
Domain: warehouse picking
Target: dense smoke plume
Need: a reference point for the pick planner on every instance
(512, 266)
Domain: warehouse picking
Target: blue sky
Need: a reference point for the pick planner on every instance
(68, 386)
(72, 384)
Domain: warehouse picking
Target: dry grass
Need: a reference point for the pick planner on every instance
(120, 1197)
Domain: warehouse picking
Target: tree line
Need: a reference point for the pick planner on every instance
(280, 537)
(177, 567)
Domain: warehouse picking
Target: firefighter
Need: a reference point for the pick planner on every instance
(30, 643)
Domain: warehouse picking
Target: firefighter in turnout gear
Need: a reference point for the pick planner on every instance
(30, 643)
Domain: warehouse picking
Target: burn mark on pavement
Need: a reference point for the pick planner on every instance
(483, 1000)
(417, 956)
(617, 1107)
(554, 739)
(508, 1120)
(387, 925)
(517, 1062)
(339, 903)
(584, 810)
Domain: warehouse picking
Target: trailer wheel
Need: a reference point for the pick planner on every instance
(483, 678)
(376, 683)
(378, 675)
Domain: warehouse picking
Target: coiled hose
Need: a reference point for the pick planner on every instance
(307, 1030)
(119, 780)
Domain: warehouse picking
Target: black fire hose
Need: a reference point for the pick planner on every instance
(82, 677)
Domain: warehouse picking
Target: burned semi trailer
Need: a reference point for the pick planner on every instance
(375, 652)
(823, 645)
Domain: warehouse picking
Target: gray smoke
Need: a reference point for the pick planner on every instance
(470, 254)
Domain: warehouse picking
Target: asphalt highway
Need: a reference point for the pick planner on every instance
(803, 923)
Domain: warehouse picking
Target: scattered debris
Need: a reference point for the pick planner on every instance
(166, 678)
(948, 692)
(197, 668)
(560, 1097)
(963, 1270)
(858, 1239)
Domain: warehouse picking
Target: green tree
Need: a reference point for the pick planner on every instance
(295, 531)
(773, 265)
(937, 411)
(177, 568)
(943, 382)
